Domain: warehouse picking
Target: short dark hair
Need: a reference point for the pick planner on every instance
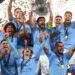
(10, 24)
(68, 12)
(3, 40)
(40, 18)
(57, 43)
(16, 9)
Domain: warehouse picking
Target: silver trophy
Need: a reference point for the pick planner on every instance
(41, 7)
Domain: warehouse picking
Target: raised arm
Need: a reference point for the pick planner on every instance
(70, 53)
(47, 51)
(10, 15)
(16, 54)
(22, 22)
(40, 48)
(53, 35)
(51, 14)
(31, 20)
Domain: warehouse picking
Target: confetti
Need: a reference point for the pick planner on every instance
(58, 7)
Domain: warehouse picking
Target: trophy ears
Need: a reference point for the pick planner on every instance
(41, 10)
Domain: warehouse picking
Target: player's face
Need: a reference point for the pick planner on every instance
(68, 17)
(60, 48)
(58, 20)
(9, 30)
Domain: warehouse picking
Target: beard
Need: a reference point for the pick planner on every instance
(60, 53)
(67, 23)
(42, 26)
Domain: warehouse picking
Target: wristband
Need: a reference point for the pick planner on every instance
(49, 27)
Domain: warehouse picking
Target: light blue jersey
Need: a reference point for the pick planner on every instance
(54, 39)
(8, 63)
(36, 34)
(67, 35)
(1, 36)
(13, 38)
(19, 28)
(56, 67)
(29, 67)
(10, 67)
(36, 37)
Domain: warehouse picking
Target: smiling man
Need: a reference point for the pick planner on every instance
(58, 60)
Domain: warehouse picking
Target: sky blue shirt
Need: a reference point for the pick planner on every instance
(11, 69)
(54, 39)
(13, 39)
(69, 40)
(19, 28)
(29, 68)
(1, 36)
(37, 43)
(55, 67)
(8, 63)
(36, 34)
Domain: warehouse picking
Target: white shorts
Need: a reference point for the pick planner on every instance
(43, 63)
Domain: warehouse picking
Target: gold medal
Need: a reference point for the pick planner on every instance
(62, 66)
